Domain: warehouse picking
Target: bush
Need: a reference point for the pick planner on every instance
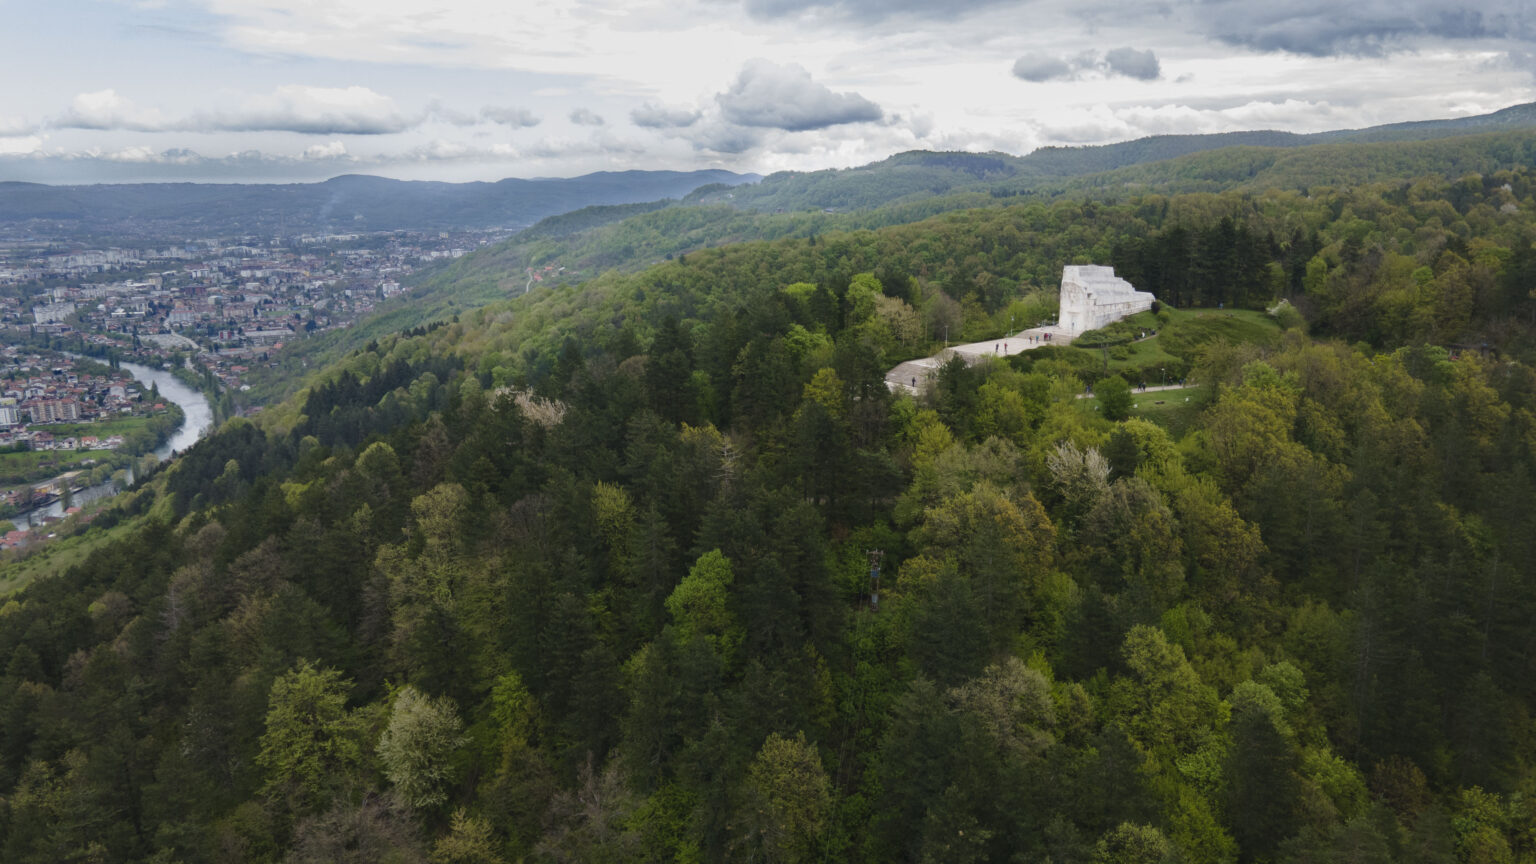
(1114, 397)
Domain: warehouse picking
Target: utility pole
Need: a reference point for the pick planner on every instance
(875, 557)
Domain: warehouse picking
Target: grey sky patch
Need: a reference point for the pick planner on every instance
(436, 110)
(726, 138)
(585, 117)
(774, 96)
(1089, 132)
(517, 118)
(1320, 28)
(1141, 65)
(651, 116)
(864, 10)
(1037, 67)
(177, 164)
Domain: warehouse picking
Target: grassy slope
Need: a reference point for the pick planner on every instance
(20, 568)
(16, 466)
(1185, 335)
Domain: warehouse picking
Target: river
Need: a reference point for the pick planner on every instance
(197, 418)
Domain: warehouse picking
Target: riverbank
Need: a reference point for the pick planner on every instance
(197, 416)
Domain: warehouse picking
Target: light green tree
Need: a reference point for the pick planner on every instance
(1133, 844)
(310, 744)
(789, 798)
(1114, 397)
(417, 747)
(468, 841)
(699, 603)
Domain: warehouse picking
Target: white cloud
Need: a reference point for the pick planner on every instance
(105, 109)
(585, 117)
(1131, 63)
(784, 96)
(20, 145)
(330, 150)
(651, 116)
(294, 108)
(517, 118)
(1036, 66)
(315, 111)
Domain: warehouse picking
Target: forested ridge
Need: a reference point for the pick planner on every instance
(584, 576)
(904, 189)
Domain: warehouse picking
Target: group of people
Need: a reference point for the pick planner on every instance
(1002, 347)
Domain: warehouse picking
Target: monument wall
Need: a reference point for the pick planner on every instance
(1092, 296)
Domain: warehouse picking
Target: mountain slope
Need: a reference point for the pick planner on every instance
(346, 203)
(587, 575)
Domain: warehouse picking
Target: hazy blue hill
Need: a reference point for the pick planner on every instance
(908, 177)
(350, 202)
(1073, 161)
(1513, 117)
(1342, 163)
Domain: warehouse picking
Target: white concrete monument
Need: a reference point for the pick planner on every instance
(1093, 297)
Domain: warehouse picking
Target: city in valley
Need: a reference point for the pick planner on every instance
(221, 303)
(208, 310)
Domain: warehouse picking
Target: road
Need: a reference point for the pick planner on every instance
(913, 375)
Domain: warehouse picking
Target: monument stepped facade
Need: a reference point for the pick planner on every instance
(1093, 296)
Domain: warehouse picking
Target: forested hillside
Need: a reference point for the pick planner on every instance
(907, 188)
(585, 575)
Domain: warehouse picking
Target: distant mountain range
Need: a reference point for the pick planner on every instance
(364, 203)
(346, 203)
(919, 174)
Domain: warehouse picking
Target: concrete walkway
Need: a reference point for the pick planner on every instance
(913, 375)
(1136, 391)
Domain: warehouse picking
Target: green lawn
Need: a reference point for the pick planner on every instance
(52, 558)
(31, 466)
(18, 569)
(1177, 343)
(101, 429)
(1173, 410)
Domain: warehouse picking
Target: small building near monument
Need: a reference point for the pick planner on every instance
(1093, 296)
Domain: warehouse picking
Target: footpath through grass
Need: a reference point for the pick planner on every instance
(1174, 410)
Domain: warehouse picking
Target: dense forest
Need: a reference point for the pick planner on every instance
(587, 575)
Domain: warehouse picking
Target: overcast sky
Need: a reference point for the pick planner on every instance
(263, 90)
